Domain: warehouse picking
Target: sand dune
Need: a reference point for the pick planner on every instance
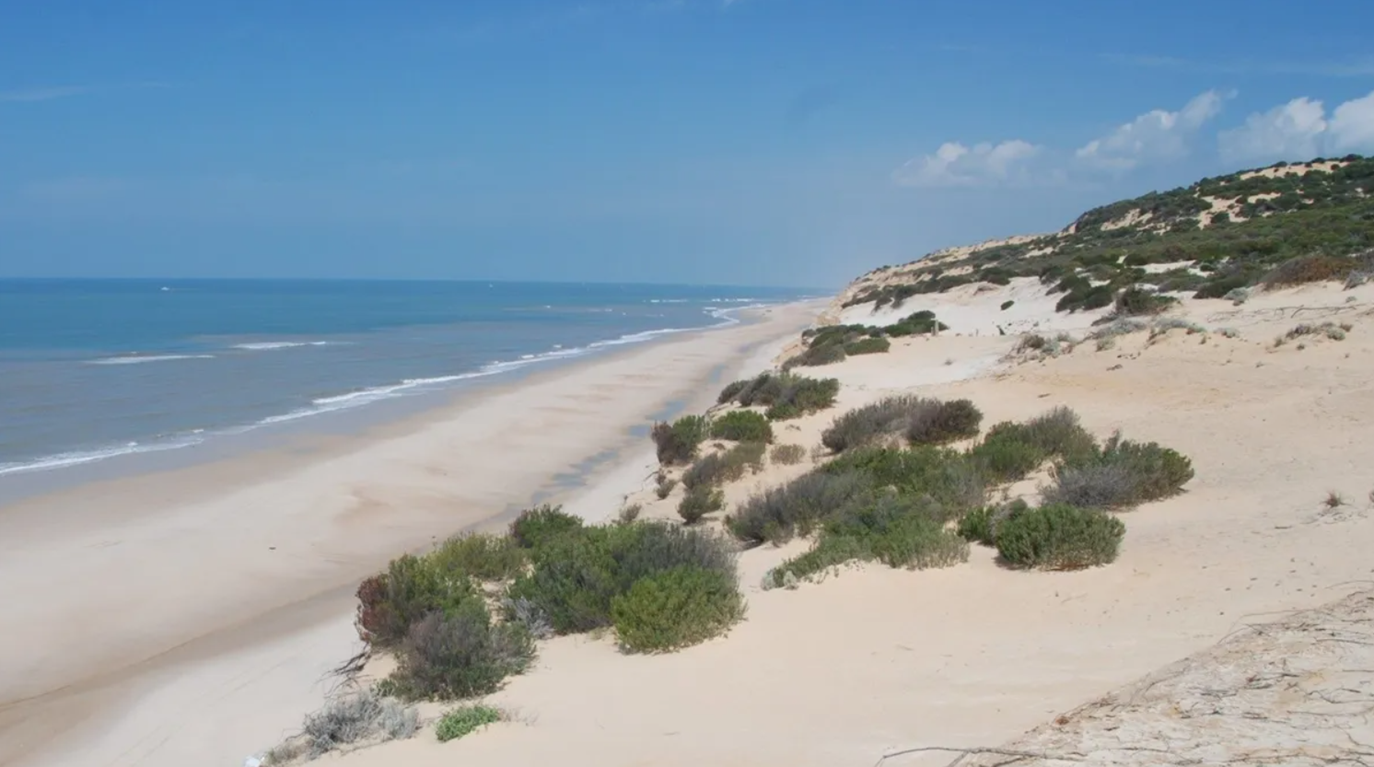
(874, 659)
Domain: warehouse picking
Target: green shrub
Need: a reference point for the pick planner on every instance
(535, 526)
(718, 468)
(1059, 537)
(742, 426)
(677, 442)
(872, 423)
(1305, 269)
(1059, 432)
(937, 422)
(778, 513)
(663, 486)
(788, 455)
(732, 391)
(1135, 302)
(698, 502)
(786, 395)
(1006, 455)
(916, 323)
(1007, 305)
(944, 483)
(868, 346)
(676, 608)
(411, 588)
(465, 720)
(980, 525)
(1120, 475)
(480, 555)
(815, 356)
(890, 529)
(574, 579)
(460, 654)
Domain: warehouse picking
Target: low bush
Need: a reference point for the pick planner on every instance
(698, 502)
(677, 442)
(1135, 301)
(353, 719)
(1005, 454)
(868, 346)
(460, 654)
(872, 423)
(786, 395)
(1305, 269)
(676, 608)
(537, 525)
(742, 426)
(787, 455)
(663, 485)
(1059, 537)
(778, 513)
(483, 556)
(411, 588)
(944, 484)
(465, 720)
(732, 391)
(629, 513)
(719, 468)
(1007, 305)
(574, 580)
(980, 525)
(815, 356)
(890, 529)
(916, 323)
(1119, 475)
(937, 422)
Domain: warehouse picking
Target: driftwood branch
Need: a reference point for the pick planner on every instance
(963, 752)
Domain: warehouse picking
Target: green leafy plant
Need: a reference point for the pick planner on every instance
(742, 426)
(483, 556)
(698, 502)
(1059, 537)
(867, 346)
(465, 720)
(676, 608)
(542, 523)
(677, 443)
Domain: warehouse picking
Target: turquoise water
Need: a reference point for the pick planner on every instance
(92, 369)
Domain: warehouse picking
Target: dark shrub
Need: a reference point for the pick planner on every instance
(1059, 432)
(732, 390)
(1304, 269)
(663, 487)
(1220, 286)
(1135, 302)
(411, 588)
(574, 579)
(482, 556)
(868, 346)
(980, 525)
(537, 525)
(945, 484)
(936, 422)
(1122, 474)
(465, 720)
(788, 455)
(787, 395)
(698, 502)
(676, 608)
(871, 423)
(776, 514)
(677, 442)
(889, 528)
(915, 324)
(1007, 305)
(742, 426)
(816, 356)
(1005, 454)
(1059, 537)
(718, 468)
(460, 655)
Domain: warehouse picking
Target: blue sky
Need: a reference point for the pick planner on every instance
(789, 142)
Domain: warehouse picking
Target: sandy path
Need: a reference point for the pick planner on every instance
(842, 671)
(217, 596)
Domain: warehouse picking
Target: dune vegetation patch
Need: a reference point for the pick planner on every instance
(785, 395)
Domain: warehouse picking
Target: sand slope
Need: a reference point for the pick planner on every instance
(843, 671)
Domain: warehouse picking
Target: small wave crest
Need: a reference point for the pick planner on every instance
(78, 457)
(136, 359)
(264, 346)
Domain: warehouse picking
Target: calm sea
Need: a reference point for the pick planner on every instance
(91, 369)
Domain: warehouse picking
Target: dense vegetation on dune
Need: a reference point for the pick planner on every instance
(1233, 231)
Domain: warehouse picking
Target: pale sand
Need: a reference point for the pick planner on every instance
(189, 618)
(874, 659)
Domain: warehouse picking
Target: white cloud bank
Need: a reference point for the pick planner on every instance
(1154, 136)
(1157, 135)
(985, 164)
(1301, 130)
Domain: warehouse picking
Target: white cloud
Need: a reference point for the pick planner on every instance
(1301, 130)
(1155, 135)
(955, 164)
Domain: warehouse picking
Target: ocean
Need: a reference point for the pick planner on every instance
(94, 369)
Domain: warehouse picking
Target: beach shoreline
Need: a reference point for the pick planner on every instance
(573, 426)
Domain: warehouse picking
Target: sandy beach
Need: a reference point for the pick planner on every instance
(191, 617)
(873, 659)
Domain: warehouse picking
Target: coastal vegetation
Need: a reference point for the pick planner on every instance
(833, 343)
(465, 720)
(1272, 227)
(784, 395)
